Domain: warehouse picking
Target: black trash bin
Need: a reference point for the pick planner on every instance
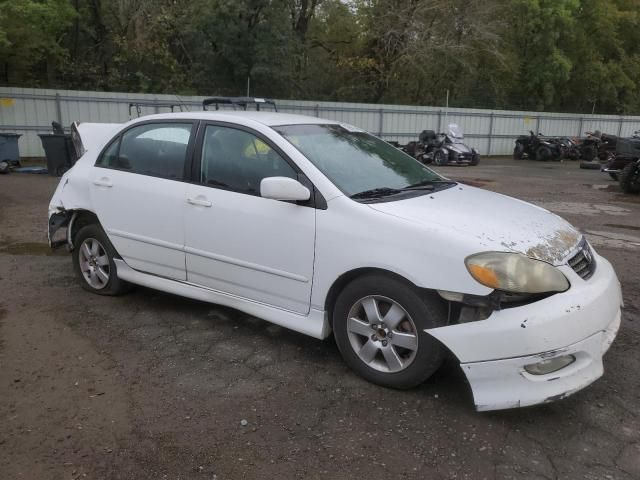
(59, 151)
(9, 151)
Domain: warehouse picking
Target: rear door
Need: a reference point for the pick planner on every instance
(138, 191)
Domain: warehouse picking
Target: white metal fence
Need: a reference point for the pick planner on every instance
(492, 132)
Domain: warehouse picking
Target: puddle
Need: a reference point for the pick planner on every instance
(30, 248)
(606, 188)
(617, 225)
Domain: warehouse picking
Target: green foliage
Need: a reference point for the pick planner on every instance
(30, 33)
(563, 55)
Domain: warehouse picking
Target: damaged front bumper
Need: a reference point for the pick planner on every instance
(579, 324)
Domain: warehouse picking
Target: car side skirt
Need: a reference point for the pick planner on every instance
(315, 324)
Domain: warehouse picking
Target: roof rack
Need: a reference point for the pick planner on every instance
(138, 106)
(239, 101)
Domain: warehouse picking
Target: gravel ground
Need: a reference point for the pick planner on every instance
(150, 385)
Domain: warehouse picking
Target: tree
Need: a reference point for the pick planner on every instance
(30, 38)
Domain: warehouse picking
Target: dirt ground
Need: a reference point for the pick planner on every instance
(153, 386)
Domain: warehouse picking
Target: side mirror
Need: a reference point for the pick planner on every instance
(283, 188)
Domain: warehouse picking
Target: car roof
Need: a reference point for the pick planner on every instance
(270, 119)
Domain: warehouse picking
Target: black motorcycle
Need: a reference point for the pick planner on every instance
(537, 147)
(597, 145)
(443, 148)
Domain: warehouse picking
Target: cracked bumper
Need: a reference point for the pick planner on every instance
(581, 322)
(501, 384)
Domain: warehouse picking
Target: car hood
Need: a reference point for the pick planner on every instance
(494, 221)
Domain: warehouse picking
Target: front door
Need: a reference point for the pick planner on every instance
(138, 191)
(238, 242)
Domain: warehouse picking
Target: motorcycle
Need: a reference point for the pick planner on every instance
(597, 145)
(443, 149)
(536, 147)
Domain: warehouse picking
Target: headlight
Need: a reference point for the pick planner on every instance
(514, 272)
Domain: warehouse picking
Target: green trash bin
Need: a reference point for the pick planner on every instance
(59, 151)
(9, 151)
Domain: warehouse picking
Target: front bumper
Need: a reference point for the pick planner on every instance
(501, 384)
(583, 321)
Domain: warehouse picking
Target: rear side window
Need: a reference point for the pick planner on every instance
(157, 149)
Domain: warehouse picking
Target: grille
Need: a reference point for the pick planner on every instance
(583, 262)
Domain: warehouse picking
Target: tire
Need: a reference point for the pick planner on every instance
(630, 178)
(439, 158)
(93, 253)
(613, 175)
(590, 165)
(543, 153)
(518, 151)
(475, 160)
(588, 152)
(387, 363)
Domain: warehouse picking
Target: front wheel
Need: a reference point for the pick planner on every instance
(589, 152)
(93, 262)
(630, 178)
(439, 158)
(518, 151)
(379, 325)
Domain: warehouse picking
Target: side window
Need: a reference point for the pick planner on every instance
(110, 155)
(239, 160)
(157, 149)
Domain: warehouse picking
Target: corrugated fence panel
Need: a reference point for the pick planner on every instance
(31, 111)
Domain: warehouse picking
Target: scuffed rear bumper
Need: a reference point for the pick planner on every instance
(582, 322)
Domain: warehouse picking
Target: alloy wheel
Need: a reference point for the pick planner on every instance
(382, 334)
(94, 263)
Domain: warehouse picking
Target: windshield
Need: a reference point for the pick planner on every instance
(356, 161)
(455, 133)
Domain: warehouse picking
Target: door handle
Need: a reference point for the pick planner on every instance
(199, 201)
(103, 182)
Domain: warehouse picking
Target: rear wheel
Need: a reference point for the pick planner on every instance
(93, 262)
(379, 324)
(543, 153)
(630, 178)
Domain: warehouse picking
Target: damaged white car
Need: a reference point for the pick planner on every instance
(318, 226)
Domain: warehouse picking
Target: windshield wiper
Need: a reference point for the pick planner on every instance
(376, 193)
(428, 184)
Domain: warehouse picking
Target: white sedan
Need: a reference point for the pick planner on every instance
(318, 226)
